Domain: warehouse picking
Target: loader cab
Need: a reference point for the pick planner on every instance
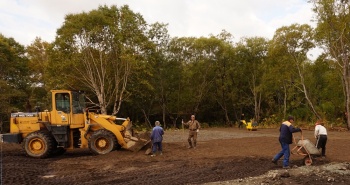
(62, 101)
(67, 108)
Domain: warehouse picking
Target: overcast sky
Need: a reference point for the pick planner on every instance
(26, 19)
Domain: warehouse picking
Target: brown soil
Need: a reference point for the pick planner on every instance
(223, 155)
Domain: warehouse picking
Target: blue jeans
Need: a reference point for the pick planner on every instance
(155, 146)
(284, 152)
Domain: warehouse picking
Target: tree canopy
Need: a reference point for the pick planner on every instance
(136, 69)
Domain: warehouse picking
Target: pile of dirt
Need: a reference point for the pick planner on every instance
(333, 173)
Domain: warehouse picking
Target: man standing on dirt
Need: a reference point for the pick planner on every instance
(242, 121)
(286, 137)
(321, 137)
(157, 138)
(193, 126)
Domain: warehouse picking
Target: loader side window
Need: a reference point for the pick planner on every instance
(62, 102)
(78, 102)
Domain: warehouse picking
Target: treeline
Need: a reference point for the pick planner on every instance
(134, 69)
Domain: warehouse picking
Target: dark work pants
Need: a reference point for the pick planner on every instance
(240, 125)
(321, 143)
(157, 145)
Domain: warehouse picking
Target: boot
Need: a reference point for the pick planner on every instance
(190, 143)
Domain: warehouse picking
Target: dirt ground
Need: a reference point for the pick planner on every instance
(223, 156)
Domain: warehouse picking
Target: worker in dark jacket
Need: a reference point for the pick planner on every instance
(286, 138)
(242, 121)
(157, 138)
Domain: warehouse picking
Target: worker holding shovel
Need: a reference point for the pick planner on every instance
(193, 126)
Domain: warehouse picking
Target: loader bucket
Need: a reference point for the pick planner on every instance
(138, 141)
(135, 141)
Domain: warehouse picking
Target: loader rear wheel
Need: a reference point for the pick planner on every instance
(38, 144)
(102, 142)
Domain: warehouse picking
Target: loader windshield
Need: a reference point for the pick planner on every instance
(62, 102)
(78, 102)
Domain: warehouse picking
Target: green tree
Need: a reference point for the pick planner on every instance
(14, 76)
(325, 87)
(332, 34)
(96, 51)
(151, 81)
(290, 45)
(251, 54)
(167, 73)
(198, 67)
(38, 55)
(221, 55)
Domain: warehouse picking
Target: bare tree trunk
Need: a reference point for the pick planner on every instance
(302, 81)
(348, 103)
(224, 108)
(257, 98)
(120, 81)
(108, 85)
(93, 74)
(346, 77)
(203, 89)
(285, 100)
(257, 117)
(343, 65)
(335, 25)
(164, 112)
(146, 117)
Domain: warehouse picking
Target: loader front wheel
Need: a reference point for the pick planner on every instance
(102, 142)
(38, 144)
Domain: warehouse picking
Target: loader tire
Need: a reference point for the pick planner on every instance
(102, 142)
(39, 144)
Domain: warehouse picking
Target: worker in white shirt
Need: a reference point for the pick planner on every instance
(321, 136)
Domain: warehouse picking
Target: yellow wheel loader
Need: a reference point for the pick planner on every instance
(251, 125)
(70, 125)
